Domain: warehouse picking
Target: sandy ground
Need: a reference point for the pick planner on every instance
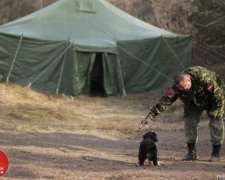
(95, 138)
(83, 156)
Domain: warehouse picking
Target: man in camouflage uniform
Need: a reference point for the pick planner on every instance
(199, 89)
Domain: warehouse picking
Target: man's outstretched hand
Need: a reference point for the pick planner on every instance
(144, 124)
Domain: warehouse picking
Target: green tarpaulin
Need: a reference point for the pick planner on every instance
(73, 45)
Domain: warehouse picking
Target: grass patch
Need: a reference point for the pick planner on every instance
(25, 110)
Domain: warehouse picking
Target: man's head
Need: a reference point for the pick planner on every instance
(183, 82)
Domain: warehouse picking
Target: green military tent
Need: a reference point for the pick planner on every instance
(74, 46)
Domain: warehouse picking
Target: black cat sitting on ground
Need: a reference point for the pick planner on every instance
(148, 149)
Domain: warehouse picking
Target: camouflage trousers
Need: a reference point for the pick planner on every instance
(191, 121)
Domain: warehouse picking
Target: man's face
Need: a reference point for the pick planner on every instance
(185, 84)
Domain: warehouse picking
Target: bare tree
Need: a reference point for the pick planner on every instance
(209, 34)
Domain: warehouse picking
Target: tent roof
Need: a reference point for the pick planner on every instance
(86, 22)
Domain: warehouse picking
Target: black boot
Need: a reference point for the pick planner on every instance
(192, 154)
(215, 156)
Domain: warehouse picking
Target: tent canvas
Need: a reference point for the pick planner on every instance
(54, 49)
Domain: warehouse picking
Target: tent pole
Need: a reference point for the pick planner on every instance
(121, 76)
(14, 59)
(61, 71)
(60, 76)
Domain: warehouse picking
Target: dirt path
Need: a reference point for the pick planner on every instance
(82, 156)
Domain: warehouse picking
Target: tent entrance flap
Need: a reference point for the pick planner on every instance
(96, 77)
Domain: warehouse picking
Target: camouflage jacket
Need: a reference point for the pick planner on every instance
(206, 93)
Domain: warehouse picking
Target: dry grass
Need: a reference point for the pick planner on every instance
(25, 110)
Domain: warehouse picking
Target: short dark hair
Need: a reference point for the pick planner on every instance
(179, 77)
